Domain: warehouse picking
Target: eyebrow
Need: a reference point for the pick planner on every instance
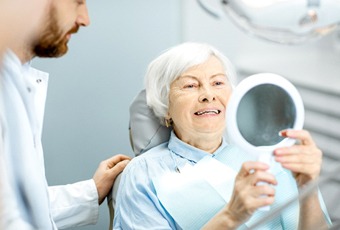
(212, 76)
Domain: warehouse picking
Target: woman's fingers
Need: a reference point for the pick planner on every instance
(252, 190)
(255, 172)
(250, 176)
(302, 135)
(304, 159)
(250, 166)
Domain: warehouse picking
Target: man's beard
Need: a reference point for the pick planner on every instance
(52, 42)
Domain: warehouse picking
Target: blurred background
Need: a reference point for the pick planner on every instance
(91, 88)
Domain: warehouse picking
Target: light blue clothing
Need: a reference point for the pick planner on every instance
(138, 206)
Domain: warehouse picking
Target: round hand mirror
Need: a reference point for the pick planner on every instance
(260, 107)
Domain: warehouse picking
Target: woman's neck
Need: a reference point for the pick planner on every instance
(207, 142)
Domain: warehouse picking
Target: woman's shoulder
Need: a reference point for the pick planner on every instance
(154, 160)
(154, 153)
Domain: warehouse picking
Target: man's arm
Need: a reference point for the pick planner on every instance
(77, 204)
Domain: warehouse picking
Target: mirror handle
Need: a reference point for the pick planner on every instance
(266, 158)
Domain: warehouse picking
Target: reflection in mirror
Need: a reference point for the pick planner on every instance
(263, 112)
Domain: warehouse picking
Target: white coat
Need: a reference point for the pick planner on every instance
(28, 201)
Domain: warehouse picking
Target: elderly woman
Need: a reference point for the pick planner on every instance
(196, 180)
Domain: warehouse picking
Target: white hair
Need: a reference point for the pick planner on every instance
(170, 65)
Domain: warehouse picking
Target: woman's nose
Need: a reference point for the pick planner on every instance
(207, 95)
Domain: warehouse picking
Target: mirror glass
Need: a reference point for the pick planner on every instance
(263, 112)
(261, 106)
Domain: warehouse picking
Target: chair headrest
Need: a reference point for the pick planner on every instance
(145, 128)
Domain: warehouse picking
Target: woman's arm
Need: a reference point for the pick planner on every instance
(311, 213)
(304, 160)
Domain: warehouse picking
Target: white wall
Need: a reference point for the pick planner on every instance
(91, 87)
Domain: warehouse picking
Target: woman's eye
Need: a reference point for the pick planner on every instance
(219, 83)
(189, 86)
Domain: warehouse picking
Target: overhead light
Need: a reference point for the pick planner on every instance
(282, 21)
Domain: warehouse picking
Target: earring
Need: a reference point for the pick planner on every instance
(168, 122)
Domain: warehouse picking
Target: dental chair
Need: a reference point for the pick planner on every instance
(145, 132)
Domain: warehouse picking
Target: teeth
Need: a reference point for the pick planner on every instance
(208, 112)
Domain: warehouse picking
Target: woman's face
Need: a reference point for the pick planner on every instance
(198, 100)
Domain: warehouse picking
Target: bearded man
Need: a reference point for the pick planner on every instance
(30, 203)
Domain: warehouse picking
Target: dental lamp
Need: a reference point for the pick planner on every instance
(280, 21)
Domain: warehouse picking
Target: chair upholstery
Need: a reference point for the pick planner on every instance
(145, 128)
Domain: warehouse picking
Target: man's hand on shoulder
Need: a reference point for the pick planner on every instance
(107, 172)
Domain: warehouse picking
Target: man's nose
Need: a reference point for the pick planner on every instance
(83, 16)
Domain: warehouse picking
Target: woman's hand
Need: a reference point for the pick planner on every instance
(303, 159)
(247, 195)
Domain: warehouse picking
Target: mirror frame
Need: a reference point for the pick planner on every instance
(234, 134)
